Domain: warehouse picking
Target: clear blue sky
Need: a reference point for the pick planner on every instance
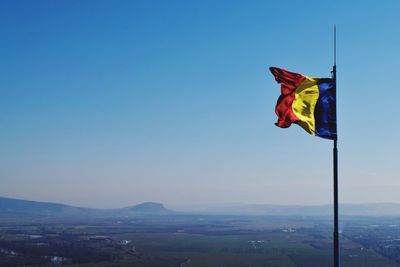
(111, 103)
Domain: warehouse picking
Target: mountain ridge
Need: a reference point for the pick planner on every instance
(10, 207)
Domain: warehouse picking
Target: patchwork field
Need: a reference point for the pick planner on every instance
(197, 241)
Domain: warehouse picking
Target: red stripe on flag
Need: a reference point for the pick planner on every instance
(289, 82)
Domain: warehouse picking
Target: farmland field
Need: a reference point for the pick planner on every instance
(197, 241)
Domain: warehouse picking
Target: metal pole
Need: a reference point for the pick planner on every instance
(336, 252)
(335, 206)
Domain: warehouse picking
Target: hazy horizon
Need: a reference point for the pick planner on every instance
(203, 205)
(108, 104)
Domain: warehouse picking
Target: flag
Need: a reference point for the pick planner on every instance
(308, 102)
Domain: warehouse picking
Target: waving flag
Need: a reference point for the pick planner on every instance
(308, 102)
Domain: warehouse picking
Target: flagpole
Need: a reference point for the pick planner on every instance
(336, 252)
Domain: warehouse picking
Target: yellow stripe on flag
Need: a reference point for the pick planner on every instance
(303, 106)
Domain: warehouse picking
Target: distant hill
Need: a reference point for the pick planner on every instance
(10, 207)
(17, 208)
(149, 207)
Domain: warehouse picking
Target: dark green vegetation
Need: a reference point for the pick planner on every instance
(192, 240)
